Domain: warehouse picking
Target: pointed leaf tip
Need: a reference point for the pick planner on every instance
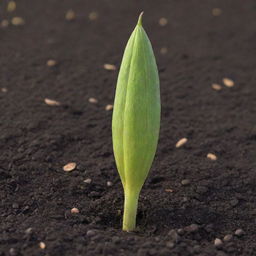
(140, 19)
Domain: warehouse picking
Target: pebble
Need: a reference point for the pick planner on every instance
(93, 100)
(51, 63)
(51, 102)
(227, 238)
(239, 232)
(109, 107)
(163, 50)
(216, 11)
(218, 243)
(15, 206)
(216, 87)
(70, 15)
(181, 231)
(185, 182)
(11, 6)
(69, 167)
(93, 16)
(192, 228)
(109, 184)
(74, 210)
(4, 23)
(88, 181)
(17, 21)
(28, 231)
(228, 82)
(13, 252)
(169, 190)
(163, 21)
(211, 156)
(42, 245)
(109, 67)
(90, 233)
(170, 244)
(181, 142)
(4, 90)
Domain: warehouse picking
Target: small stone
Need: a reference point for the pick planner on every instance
(227, 238)
(109, 67)
(228, 82)
(42, 245)
(51, 102)
(70, 15)
(13, 252)
(216, 11)
(11, 6)
(239, 232)
(15, 206)
(170, 244)
(69, 167)
(192, 228)
(4, 90)
(93, 100)
(218, 243)
(211, 156)
(74, 210)
(185, 182)
(181, 142)
(163, 50)
(109, 107)
(163, 21)
(169, 190)
(109, 184)
(180, 231)
(90, 233)
(216, 87)
(88, 181)
(4, 23)
(28, 231)
(93, 16)
(18, 21)
(51, 63)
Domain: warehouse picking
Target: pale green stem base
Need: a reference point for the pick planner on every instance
(130, 210)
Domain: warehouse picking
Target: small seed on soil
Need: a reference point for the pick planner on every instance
(11, 6)
(69, 167)
(109, 66)
(4, 23)
(28, 231)
(163, 21)
(93, 100)
(185, 182)
(88, 181)
(90, 233)
(216, 11)
(18, 21)
(169, 190)
(51, 63)
(109, 107)
(163, 50)
(4, 90)
(93, 16)
(239, 232)
(109, 184)
(227, 238)
(228, 82)
(13, 252)
(70, 15)
(192, 228)
(180, 231)
(211, 156)
(181, 142)
(218, 243)
(42, 245)
(74, 210)
(51, 102)
(216, 87)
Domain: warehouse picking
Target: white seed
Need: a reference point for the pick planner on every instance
(4, 90)
(88, 181)
(11, 6)
(168, 190)
(93, 16)
(42, 245)
(109, 67)
(70, 15)
(163, 50)
(109, 184)
(74, 210)
(218, 243)
(69, 167)
(181, 142)
(51, 102)
(51, 63)
(4, 23)
(239, 232)
(163, 21)
(216, 11)
(93, 100)
(18, 21)
(227, 238)
(216, 87)
(228, 82)
(211, 156)
(109, 107)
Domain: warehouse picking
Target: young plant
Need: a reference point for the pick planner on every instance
(136, 119)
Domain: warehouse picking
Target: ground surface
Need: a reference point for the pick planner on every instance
(37, 140)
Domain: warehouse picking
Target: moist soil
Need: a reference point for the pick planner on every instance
(37, 139)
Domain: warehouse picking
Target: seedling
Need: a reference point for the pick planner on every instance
(136, 119)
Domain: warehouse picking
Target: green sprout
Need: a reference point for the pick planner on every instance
(136, 119)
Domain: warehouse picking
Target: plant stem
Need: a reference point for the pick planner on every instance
(130, 210)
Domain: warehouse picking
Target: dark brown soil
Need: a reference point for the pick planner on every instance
(37, 140)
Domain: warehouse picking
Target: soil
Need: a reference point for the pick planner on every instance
(37, 139)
